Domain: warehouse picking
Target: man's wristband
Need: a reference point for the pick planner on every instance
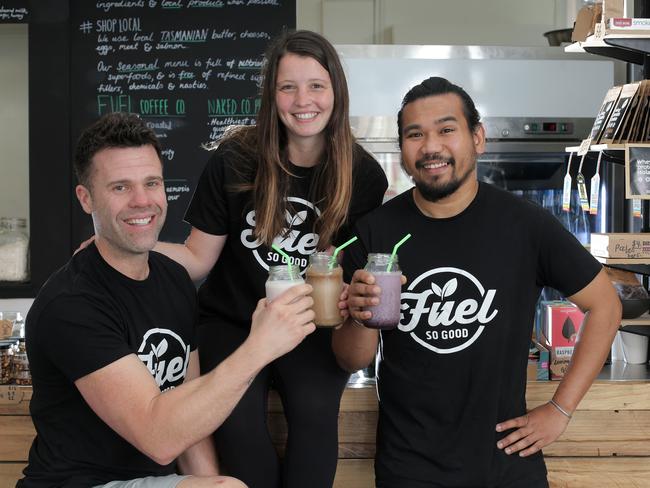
(560, 409)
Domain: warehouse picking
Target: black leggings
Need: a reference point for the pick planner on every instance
(310, 384)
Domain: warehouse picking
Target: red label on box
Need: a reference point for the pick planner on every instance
(622, 22)
(562, 326)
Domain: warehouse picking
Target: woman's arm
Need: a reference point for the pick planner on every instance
(197, 255)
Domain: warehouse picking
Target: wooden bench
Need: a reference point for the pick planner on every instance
(607, 443)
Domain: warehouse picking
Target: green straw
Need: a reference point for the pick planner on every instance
(392, 256)
(336, 251)
(284, 255)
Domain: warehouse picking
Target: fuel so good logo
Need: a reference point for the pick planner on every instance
(446, 310)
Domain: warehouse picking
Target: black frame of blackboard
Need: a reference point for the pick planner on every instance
(50, 171)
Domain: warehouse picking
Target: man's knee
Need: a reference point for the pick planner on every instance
(211, 482)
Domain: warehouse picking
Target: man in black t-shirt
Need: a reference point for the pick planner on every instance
(117, 396)
(451, 378)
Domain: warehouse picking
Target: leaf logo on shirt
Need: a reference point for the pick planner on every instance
(296, 220)
(447, 290)
(160, 349)
(445, 310)
(166, 356)
(297, 239)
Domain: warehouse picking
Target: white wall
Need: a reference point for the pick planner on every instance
(463, 22)
(14, 155)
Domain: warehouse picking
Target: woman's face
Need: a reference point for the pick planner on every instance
(304, 97)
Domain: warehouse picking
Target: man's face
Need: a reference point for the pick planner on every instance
(439, 150)
(126, 199)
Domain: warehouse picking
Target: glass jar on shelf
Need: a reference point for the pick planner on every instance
(20, 365)
(14, 249)
(6, 353)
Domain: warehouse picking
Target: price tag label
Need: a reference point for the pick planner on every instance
(584, 146)
(636, 208)
(599, 31)
(582, 187)
(582, 192)
(595, 194)
(566, 193)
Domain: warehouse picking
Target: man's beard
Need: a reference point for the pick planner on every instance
(432, 192)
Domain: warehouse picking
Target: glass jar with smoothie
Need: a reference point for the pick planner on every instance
(280, 279)
(326, 278)
(385, 315)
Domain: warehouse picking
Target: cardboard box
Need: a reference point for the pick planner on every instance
(543, 373)
(613, 9)
(628, 23)
(586, 21)
(562, 322)
(621, 245)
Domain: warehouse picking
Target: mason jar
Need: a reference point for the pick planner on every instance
(20, 365)
(14, 249)
(6, 353)
(326, 278)
(388, 276)
(280, 279)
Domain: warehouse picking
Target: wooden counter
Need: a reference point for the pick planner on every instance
(607, 444)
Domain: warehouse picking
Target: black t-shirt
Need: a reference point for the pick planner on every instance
(236, 282)
(87, 316)
(456, 364)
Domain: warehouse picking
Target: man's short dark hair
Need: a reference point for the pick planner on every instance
(439, 86)
(117, 129)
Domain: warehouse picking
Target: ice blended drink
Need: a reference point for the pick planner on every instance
(280, 279)
(386, 315)
(326, 279)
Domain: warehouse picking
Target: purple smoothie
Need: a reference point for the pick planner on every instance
(386, 315)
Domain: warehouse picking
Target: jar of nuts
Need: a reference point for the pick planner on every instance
(6, 353)
(20, 365)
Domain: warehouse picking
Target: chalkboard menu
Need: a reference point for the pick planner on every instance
(190, 68)
(13, 11)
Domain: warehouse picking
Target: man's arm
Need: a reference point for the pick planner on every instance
(354, 345)
(197, 255)
(201, 458)
(163, 425)
(545, 424)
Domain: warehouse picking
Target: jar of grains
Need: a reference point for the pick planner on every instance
(14, 249)
(6, 352)
(20, 365)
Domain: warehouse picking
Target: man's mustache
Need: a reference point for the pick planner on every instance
(434, 158)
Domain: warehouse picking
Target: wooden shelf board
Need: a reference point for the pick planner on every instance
(642, 320)
(603, 260)
(599, 147)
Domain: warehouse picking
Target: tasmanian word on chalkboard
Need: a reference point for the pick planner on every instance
(13, 11)
(637, 171)
(190, 68)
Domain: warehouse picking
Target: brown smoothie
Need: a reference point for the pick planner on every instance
(327, 286)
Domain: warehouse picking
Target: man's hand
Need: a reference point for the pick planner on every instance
(363, 293)
(343, 304)
(279, 326)
(534, 431)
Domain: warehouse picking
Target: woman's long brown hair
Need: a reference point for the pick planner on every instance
(331, 188)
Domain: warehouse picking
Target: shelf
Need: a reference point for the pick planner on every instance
(599, 147)
(625, 261)
(643, 320)
(639, 266)
(629, 48)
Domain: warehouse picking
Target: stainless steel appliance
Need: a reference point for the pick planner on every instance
(534, 103)
(525, 155)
